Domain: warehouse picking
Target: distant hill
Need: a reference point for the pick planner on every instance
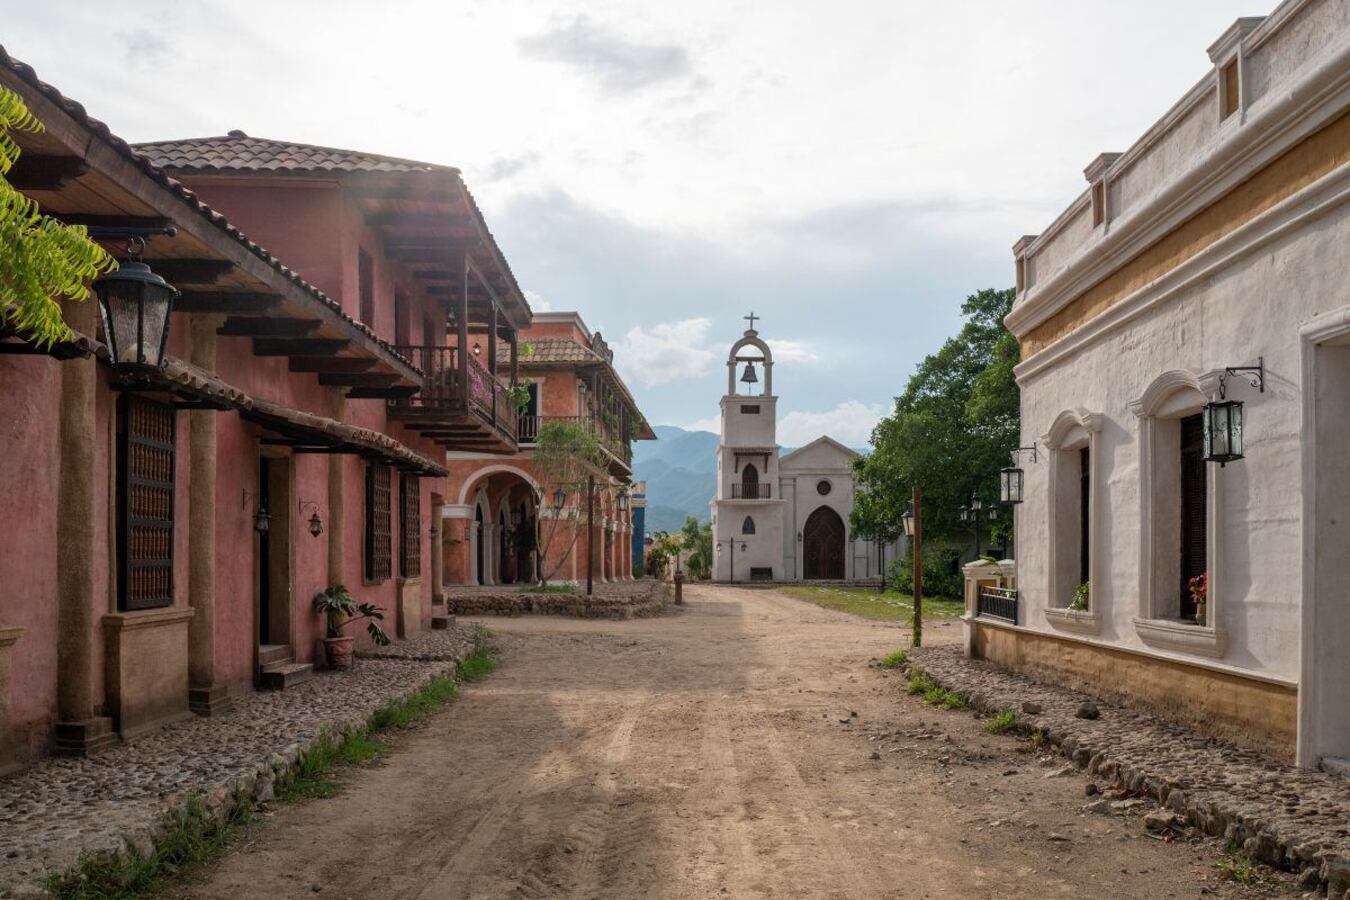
(680, 469)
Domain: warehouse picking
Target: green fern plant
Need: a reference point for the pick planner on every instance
(1081, 594)
(42, 260)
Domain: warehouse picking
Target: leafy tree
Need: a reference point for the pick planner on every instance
(566, 455)
(950, 432)
(696, 539)
(41, 259)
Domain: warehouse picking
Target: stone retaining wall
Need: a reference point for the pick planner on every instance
(627, 600)
(1283, 816)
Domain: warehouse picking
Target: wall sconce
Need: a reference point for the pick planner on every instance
(1010, 478)
(135, 303)
(1222, 422)
(261, 518)
(315, 523)
(799, 537)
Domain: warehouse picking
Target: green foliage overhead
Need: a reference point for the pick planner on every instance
(41, 260)
(566, 454)
(951, 430)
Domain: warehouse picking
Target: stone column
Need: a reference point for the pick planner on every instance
(79, 730)
(437, 549)
(205, 696)
(337, 504)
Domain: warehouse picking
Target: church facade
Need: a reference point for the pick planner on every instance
(781, 517)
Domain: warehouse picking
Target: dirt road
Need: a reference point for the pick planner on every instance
(702, 754)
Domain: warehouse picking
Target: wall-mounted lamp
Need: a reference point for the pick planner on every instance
(261, 518)
(135, 303)
(1222, 421)
(315, 523)
(1010, 480)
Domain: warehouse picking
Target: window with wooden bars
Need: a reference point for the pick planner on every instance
(378, 530)
(410, 526)
(1194, 516)
(145, 500)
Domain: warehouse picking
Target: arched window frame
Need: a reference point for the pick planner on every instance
(748, 525)
(1073, 431)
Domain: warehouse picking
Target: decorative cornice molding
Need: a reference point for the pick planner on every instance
(1280, 120)
(1226, 46)
(1097, 168)
(1069, 419)
(1182, 637)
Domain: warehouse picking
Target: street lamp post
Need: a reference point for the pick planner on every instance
(914, 531)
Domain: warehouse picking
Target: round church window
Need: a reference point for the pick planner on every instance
(823, 487)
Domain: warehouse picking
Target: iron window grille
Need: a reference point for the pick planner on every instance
(378, 554)
(145, 502)
(410, 526)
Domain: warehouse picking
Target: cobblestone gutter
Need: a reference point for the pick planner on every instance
(1283, 816)
(116, 801)
(623, 600)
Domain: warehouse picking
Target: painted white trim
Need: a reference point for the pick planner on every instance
(1170, 634)
(823, 439)
(1300, 209)
(1061, 430)
(457, 511)
(1080, 621)
(479, 474)
(1300, 106)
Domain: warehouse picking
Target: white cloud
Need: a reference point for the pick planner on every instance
(850, 423)
(791, 352)
(536, 301)
(712, 423)
(666, 352)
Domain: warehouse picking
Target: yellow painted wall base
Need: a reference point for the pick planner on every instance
(1248, 712)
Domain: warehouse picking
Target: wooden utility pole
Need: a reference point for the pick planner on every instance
(918, 566)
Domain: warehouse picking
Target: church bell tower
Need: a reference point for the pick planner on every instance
(747, 513)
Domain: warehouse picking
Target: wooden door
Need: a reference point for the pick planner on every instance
(823, 545)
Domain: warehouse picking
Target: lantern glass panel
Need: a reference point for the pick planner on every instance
(908, 519)
(1010, 487)
(1223, 431)
(135, 308)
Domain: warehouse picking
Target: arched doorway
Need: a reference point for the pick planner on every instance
(823, 545)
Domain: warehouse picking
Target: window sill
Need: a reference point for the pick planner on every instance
(1182, 637)
(1079, 621)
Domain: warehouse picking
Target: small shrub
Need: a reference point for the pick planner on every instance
(1037, 739)
(1003, 722)
(894, 660)
(953, 700)
(920, 683)
(1238, 867)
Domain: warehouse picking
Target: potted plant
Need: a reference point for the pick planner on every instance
(340, 609)
(1199, 588)
(1081, 594)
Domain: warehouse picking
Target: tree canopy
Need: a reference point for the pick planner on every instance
(951, 430)
(566, 455)
(42, 260)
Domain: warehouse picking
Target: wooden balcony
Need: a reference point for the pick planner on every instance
(618, 450)
(461, 409)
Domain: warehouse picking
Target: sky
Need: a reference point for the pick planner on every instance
(848, 171)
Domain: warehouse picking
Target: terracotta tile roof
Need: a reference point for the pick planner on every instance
(239, 152)
(77, 112)
(549, 350)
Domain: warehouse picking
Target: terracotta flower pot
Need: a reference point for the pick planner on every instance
(340, 652)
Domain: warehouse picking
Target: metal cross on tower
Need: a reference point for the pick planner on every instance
(751, 319)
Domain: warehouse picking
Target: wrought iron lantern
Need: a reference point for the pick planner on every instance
(750, 376)
(261, 520)
(1223, 431)
(1222, 418)
(315, 524)
(908, 520)
(1010, 484)
(477, 349)
(559, 498)
(135, 303)
(623, 501)
(975, 505)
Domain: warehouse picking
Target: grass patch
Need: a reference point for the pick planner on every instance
(891, 606)
(894, 660)
(935, 694)
(1001, 723)
(549, 589)
(192, 837)
(1240, 868)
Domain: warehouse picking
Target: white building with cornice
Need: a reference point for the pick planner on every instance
(1203, 267)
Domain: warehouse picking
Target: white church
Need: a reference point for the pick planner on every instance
(781, 518)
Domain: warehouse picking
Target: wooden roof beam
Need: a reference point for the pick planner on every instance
(231, 302)
(331, 364)
(359, 379)
(253, 326)
(298, 346)
(190, 271)
(33, 172)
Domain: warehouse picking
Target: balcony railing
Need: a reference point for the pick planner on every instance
(751, 491)
(528, 431)
(483, 395)
(997, 603)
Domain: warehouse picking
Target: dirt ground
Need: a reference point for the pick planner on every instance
(702, 754)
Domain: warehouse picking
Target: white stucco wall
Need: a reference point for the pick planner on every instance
(1252, 308)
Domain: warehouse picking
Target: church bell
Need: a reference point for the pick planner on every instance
(750, 377)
